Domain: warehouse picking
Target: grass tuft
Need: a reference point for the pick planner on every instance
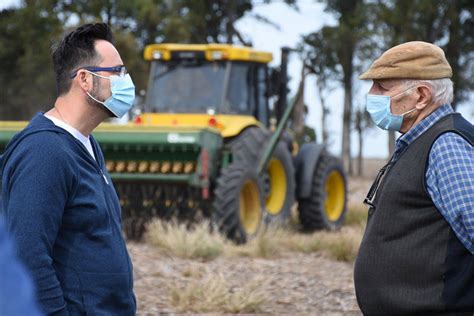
(342, 245)
(267, 244)
(191, 243)
(356, 215)
(272, 242)
(213, 294)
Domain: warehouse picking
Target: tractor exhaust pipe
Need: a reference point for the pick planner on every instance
(283, 111)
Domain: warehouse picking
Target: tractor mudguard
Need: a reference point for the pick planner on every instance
(305, 164)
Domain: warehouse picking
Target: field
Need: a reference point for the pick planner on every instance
(282, 271)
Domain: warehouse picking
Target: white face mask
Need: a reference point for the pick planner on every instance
(378, 107)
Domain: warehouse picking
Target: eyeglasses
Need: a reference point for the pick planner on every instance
(369, 199)
(121, 70)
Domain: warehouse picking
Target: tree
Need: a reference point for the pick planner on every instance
(341, 44)
(27, 70)
(362, 122)
(322, 65)
(434, 21)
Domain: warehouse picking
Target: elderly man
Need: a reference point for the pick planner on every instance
(417, 254)
(59, 201)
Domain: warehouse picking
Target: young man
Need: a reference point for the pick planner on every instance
(417, 254)
(59, 201)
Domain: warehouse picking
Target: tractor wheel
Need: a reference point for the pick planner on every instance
(238, 202)
(279, 180)
(326, 207)
(279, 185)
(247, 146)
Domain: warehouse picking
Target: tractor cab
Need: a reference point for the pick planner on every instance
(211, 80)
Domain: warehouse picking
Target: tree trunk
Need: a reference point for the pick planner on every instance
(346, 128)
(391, 143)
(453, 50)
(360, 171)
(298, 119)
(324, 112)
(230, 12)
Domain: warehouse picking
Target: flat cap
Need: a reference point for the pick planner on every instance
(411, 60)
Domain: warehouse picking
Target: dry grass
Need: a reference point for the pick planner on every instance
(178, 240)
(356, 214)
(267, 244)
(341, 246)
(213, 294)
(192, 272)
(272, 242)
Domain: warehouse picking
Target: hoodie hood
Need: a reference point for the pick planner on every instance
(38, 124)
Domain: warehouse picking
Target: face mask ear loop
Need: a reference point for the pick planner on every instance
(97, 75)
(90, 96)
(409, 111)
(401, 93)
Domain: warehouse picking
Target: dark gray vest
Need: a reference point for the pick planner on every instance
(410, 261)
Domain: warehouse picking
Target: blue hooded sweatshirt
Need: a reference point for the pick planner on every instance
(64, 214)
(16, 289)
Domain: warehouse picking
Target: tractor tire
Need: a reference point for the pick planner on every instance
(279, 180)
(280, 185)
(238, 202)
(326, 206)
(247, 146)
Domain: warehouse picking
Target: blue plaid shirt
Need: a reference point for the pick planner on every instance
(449, 176)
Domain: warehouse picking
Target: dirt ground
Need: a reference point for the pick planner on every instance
(295, 284)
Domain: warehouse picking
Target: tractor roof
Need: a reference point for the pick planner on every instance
(210, 52)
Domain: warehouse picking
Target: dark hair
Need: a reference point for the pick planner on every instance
(76, 50)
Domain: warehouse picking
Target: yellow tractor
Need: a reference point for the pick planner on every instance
(216, 99)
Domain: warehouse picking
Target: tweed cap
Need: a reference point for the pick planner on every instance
(411, 60)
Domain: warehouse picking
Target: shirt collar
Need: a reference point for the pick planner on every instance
(408, 138)
(74, 132)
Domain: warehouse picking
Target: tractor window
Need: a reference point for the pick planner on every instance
(185, 86)
(240, 94)
(261, 94)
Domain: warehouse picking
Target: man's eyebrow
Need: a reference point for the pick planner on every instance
(384, 84)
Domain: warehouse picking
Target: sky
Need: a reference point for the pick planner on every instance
(292, 25)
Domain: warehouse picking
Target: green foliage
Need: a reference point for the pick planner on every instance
(27, 77)
(449, 24)
(25, 58)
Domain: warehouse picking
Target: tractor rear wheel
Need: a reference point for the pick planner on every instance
(280, 185)
(279, 178)
(238, 202)
(326, 206)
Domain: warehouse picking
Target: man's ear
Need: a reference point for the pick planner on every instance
(85, 80)
(424, 97)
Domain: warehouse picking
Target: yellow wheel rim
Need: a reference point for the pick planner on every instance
(250, 212)
(276, 198)
(335, 195)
